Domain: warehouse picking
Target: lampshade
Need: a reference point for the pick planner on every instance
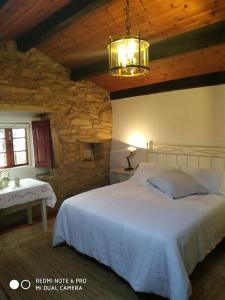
(131, 149)
(128, 57)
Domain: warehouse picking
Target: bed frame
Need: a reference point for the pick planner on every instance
(190, 156)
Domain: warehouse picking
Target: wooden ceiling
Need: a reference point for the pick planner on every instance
(187, 37)
(19, 16)
(86, 38)
(207, 60)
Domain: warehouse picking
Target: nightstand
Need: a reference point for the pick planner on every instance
(119, 175)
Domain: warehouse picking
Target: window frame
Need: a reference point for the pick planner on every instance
(11, 126)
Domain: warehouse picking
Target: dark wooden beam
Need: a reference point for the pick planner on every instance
(172, 85)
(189, 41)
(97, 68)
(203, 37)
(56, 22)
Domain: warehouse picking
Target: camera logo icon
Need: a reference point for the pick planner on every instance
(24, 284)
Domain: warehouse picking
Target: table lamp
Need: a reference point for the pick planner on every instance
(131, 155)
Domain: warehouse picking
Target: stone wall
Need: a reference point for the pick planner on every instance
(78, 112)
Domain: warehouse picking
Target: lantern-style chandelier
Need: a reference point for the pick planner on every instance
(128, 56)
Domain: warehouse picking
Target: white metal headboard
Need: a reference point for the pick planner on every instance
(190, 156)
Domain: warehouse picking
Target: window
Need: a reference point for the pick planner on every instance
(13, 147)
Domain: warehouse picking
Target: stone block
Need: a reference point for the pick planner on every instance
(81, 122)
(77, 110)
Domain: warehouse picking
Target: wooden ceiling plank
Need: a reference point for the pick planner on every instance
(189, 41)
(103, 21)
(56, 22)
(29, 13)
(175, 18)
(203, 37)
(203, 61)
(172, 85)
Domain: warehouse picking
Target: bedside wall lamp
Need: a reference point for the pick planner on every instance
(129, 157)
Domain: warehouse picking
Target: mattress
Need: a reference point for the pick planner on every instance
(150, 240)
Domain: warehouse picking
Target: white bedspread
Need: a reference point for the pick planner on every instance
(150, 240)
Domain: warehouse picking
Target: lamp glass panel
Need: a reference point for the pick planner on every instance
(131, 149)
(144, 57)
(125, 59)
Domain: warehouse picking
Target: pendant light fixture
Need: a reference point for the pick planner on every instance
(128, 56)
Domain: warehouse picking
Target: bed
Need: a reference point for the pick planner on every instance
(151, 241)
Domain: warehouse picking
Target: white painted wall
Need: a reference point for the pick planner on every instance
(22, 117)
(191, 116)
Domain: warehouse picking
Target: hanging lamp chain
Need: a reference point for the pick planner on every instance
(127, 17)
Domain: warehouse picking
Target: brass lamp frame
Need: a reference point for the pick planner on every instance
(142, 69)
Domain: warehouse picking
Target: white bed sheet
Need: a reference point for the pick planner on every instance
(150, 240)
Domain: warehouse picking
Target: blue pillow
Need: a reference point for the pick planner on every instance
(177, 184)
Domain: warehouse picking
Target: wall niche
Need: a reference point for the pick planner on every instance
(93, 150)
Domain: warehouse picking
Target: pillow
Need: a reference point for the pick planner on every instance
(146, 170)
(177, 184)
(212, 180)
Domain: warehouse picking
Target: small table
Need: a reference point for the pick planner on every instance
(120, 174)
(31, 192)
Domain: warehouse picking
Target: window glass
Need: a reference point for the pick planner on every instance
(13, 147)
(19, 144)
(2, 145)
(3, 161)
(2, 133)
(20, 157)
(19, 132)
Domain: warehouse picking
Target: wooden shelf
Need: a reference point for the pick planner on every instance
(93, 141)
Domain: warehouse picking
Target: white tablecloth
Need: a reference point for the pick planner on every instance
(29, 190)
